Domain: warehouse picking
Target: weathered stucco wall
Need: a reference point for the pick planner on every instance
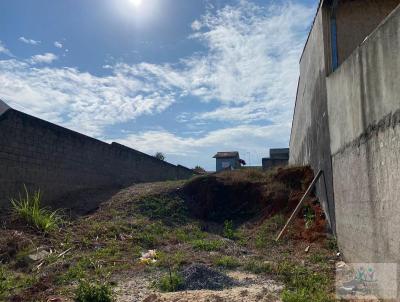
(364, 120)
(68, 167)
(309, 140)
(352, 24)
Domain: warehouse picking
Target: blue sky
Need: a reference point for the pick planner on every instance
(184, 77)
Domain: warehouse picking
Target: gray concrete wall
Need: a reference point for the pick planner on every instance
(309, 140)
(69, 168)
(352, 24)
(364, 121)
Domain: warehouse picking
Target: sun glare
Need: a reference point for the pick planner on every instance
(136, 3)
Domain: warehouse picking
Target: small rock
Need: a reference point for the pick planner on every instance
(38, 255)
(307, 249)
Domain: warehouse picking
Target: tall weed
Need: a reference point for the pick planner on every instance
(28, 208)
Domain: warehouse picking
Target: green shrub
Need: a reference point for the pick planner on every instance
(171, 282)
(229, 231)
(227, 262)
(28, 209)
(207, 245)
(89, 292)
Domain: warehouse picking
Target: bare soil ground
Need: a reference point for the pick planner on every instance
(226, 221)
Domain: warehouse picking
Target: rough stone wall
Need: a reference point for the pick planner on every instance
(364, 119)
(309, 140)
(64, 163)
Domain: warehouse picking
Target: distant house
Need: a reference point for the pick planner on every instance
(227, 161)
(277, 157)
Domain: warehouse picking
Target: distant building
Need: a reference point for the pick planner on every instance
(227, 161)
(277, 157)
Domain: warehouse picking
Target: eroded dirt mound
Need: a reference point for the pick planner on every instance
(295, 177)
(199, 276)
(243, 194)
(216, 199)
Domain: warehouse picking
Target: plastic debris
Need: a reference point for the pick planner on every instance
(149, 257)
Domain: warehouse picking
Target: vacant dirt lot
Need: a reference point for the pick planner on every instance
(225, 222)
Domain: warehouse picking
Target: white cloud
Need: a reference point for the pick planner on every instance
(58, 44)
(46, 58)
(242, 135)
(249, 140)
(252, 63)
(4, 50)
(29, 41)
(196, 25)
(80, 100)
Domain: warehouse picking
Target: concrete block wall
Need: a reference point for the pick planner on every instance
(309, 140)
(62, 163)
(364, 121)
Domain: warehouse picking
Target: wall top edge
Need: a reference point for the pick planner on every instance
(3, 107)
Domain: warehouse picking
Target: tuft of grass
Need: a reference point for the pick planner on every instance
(91, 292)
(151, 235)
(188, 233)
(76, 271)
(332, 244)
(303, 285)
(309, 216)
(229, 231)
(258, 267)
(11, 283)
(207, 245)
(318, 258)
(28, 208)
(174, 260)
(267, 232)
(170, 210)
(171, 282)
(6, 282)
(303, 295)
(227, 262)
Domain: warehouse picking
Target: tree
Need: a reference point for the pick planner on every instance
(199, 170)
(159, 156)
